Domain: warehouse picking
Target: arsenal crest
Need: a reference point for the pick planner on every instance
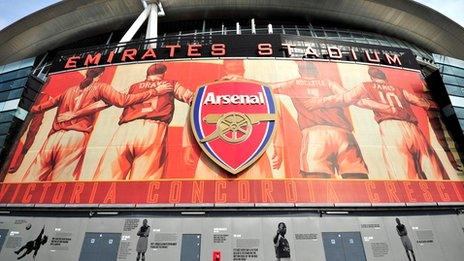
(233, 121)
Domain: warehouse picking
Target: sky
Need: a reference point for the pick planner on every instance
(454, 9)
(13, 10)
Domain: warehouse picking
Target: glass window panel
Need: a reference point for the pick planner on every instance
(27, 62)
(332, 34)
(455, 90)
(2, 140)
(461, 122)
(6, 116)
(357, 35)
(319, 33)
(19, 83)
(14, 75)
(459, 112)
(457, 101)
(450, 79)
(447, 70)
(290, 31)
(11, 66)
(4, 95)
(4, 127)
(305, 32)
(14, 94)
(454, 62)
(21, 113)
(345, 34)
(23, 72)
(6, 77)
(14, 84)
(261, 31)
(277, 30)
(11, 105)
(458, 72)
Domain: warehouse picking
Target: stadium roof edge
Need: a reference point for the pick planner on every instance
(69, 21)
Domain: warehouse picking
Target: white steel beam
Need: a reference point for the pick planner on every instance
(136, 25)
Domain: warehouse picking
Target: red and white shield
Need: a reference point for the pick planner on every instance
(233, 121)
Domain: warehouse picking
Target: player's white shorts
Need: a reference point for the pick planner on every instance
(60, 158)
(407, 154)
(137, 151)
(327, 150)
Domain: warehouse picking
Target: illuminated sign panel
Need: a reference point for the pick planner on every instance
(342, 133)
(217, 46)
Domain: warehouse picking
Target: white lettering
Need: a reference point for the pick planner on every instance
(235, 99)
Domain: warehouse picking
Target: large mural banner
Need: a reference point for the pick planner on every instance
(234, 131)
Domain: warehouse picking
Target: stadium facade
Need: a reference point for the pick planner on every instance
(232, 130)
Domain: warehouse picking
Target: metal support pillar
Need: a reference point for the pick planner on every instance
(253, 26)
(152, 27)
(153, 9)
(136, 25)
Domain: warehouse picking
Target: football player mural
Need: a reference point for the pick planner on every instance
(233, 119)
(61, 155)
(328, 146)
(138, 148)
(406, 151)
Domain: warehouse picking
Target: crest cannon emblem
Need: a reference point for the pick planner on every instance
(234, 127)
(233, 122)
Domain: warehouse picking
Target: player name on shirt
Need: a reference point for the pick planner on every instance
(383, 87)
(149, 84)
(310, 82)
(214, 99)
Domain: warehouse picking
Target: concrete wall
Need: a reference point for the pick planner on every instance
(238, 237)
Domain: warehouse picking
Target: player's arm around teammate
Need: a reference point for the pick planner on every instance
(182, 94)
(362, 102)
(48, 104)
(420, 102)
(118, 99)
(282, 87)
(88, 110)
(355, 96)
(128, 100)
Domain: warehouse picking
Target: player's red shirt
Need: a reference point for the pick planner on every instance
(76, 98)
(304, 88)
(393, 96)
(160, 107)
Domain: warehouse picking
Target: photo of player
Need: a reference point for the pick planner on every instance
(328, 146)
(206, 169)
(137, 150)
(33, 245)
(281, 245)
(403, 233)
(142, 242)
(405, 150)
(60, 158)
